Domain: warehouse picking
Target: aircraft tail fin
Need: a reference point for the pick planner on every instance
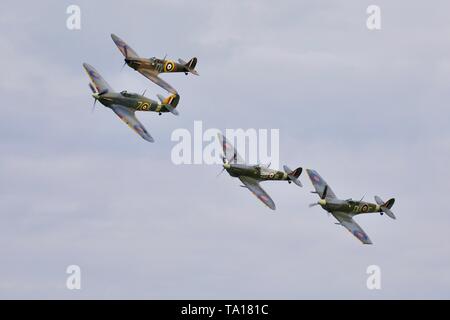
(170, 103)
(294, 174)
(388, 204)
(190, 65)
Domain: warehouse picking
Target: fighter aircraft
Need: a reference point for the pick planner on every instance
(152, 67)
(252, 175)
(124, 104)
(344, 210)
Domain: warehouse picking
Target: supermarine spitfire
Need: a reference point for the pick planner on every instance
(125, 104)
(252, 175)
(344, 210)
(152, 67)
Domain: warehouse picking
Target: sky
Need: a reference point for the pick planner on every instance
(368, 109)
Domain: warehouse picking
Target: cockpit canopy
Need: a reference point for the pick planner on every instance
(128, 94)
(155, 60)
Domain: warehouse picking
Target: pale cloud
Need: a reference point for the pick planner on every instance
(367, 109)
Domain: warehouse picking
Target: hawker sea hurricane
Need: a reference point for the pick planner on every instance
(252, 175)
(344, 210)
(124, 104)
(152, 67)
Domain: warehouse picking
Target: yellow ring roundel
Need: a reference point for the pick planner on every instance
(169, 66)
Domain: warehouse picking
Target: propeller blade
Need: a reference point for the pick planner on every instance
(313, 204)
(93, 106)
(362, 197)
(103, 92)
(223, 169)
(123, 66)
(143, 93)
(324, 194)
(92, 88)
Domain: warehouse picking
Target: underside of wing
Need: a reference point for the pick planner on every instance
(160, 82)
(319, 184)
(229, 151)
(97, 80)
(130, 119)
(255, 188)
(124, 48)
(352, 226)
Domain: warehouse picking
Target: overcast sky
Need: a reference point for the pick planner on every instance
(367, 109)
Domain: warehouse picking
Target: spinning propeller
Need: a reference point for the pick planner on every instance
(322, 200)
(96, 95)
(225, 162)
(126, 57)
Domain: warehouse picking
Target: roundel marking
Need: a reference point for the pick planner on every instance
(360, 235)
(169, 66)
(365, 208)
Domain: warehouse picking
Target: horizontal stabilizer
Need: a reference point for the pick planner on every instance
(388, 212)
(160, 97)
(171, 109)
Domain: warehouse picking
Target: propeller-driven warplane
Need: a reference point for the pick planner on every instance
(344, 210)
(125, 104)
(252, 175)
(152, 67)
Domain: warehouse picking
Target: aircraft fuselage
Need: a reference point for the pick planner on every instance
(349, 206)
(256, 172)
(155, 65)
(130, 100)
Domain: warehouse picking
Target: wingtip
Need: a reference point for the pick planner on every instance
(272, 205)
(149, 139)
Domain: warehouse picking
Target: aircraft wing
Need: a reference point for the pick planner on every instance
(319, 184)
(160, 82)
(97, 80)
(127, 116)
(124, 48)
(229, 151)
(352, 226)
(255, 188)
